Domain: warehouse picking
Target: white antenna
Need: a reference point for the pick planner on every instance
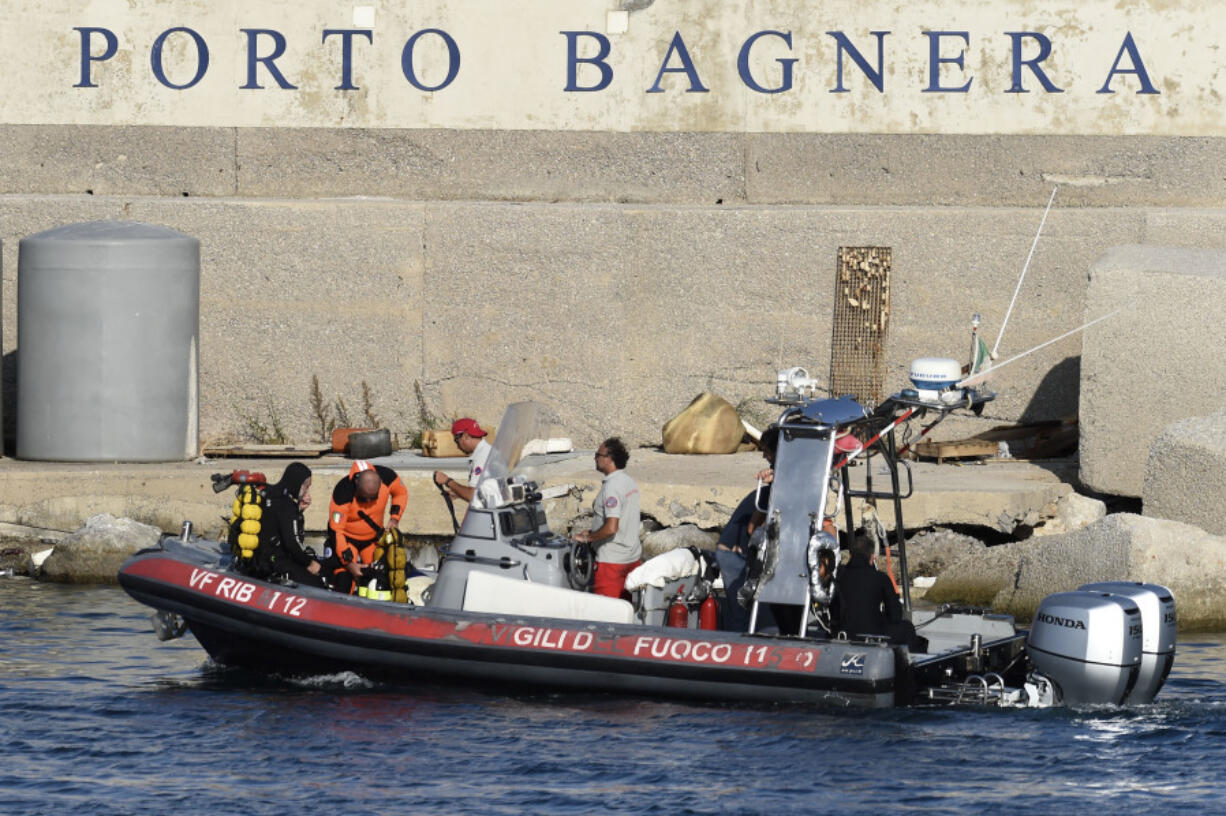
(980, 377)
(1024, 268)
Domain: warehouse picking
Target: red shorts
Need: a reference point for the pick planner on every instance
(611, 579)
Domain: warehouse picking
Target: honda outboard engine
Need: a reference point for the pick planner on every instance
(1157, 607)
(1088, 644)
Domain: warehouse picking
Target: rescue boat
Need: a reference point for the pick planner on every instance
(508, 607)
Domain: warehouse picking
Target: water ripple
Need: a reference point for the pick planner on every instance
(101, 718)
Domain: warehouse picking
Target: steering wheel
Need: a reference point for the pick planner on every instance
(581, 565)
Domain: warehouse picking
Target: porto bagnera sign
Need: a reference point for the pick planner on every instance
(1040, 67)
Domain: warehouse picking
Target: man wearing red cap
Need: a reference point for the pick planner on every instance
(469, 437)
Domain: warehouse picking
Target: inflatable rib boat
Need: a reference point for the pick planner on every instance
(508, 606)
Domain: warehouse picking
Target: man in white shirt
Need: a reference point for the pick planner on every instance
(616, 522)
(469, 438)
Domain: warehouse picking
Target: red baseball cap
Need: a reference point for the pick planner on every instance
(468, 426)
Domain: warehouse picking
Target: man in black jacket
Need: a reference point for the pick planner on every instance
(281, 551)
(865, 602)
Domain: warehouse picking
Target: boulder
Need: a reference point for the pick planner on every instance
(94, 553)
(1185, 475)
(978, 577)
(1122, 546)
(1072, 512)
(1152, 363)
(933, 552)
(709, 424)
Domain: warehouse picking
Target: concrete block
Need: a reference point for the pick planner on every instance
(1185, 475)
(1151, 364)
(984, 171)
(619, 315)
(494, 165)
(127, 160)
(1122, 546)
(613, 315)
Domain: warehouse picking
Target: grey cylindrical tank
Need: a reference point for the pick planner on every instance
(108, 320)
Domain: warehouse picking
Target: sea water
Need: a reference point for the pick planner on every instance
(99, 717)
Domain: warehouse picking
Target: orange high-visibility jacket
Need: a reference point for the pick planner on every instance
(356, 524)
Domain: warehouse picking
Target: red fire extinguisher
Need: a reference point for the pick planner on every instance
(708, 614)
(678, 612)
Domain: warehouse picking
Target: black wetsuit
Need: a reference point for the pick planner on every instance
(865, 603)
(281, 551)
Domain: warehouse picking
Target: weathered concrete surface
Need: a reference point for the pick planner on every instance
(577, 305)
(1072, 512)
(94, 553)
(97, 160)
(1110, 171)
(545, 166)
(1014, 578)
(1151, 364)
(634, 167)
(1185, 475)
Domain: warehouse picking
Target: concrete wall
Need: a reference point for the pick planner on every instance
(1153, 364)
(611, 253)
(670, 268)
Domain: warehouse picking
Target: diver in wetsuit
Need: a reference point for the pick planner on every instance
(356, 521)
(865, 602)
(281, 552)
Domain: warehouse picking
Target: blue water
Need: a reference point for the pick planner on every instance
(99, 717)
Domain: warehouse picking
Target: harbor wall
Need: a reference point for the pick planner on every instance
(610, 252)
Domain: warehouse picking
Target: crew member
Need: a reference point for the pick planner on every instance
(356, 515)
(616, 520)
(865, 602)
(281, 552)
(733, 547)
(469, 438)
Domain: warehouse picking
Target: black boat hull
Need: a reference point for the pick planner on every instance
(292, 630)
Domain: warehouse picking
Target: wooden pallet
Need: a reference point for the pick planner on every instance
(956, 450)
(1039, 440)
(269, 451)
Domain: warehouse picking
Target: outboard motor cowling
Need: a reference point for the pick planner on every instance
(1088, 644)
(1157, 606)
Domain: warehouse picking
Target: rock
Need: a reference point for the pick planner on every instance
(671, 538)
(709, 424)
(94, 553)
(1072, 512)
(1185, 475)
(978, 577)
(1121, 546)
(933, 552)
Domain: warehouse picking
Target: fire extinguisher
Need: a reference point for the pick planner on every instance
(678, 612)
(708, 614)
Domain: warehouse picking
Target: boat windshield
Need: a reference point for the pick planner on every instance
(521, 423)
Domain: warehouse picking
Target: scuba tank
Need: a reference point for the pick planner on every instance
(678, 612)
(389, 582)
(397, 558)
(246, 513)
(708, 614)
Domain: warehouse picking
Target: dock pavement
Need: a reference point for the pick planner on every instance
(55, 498)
